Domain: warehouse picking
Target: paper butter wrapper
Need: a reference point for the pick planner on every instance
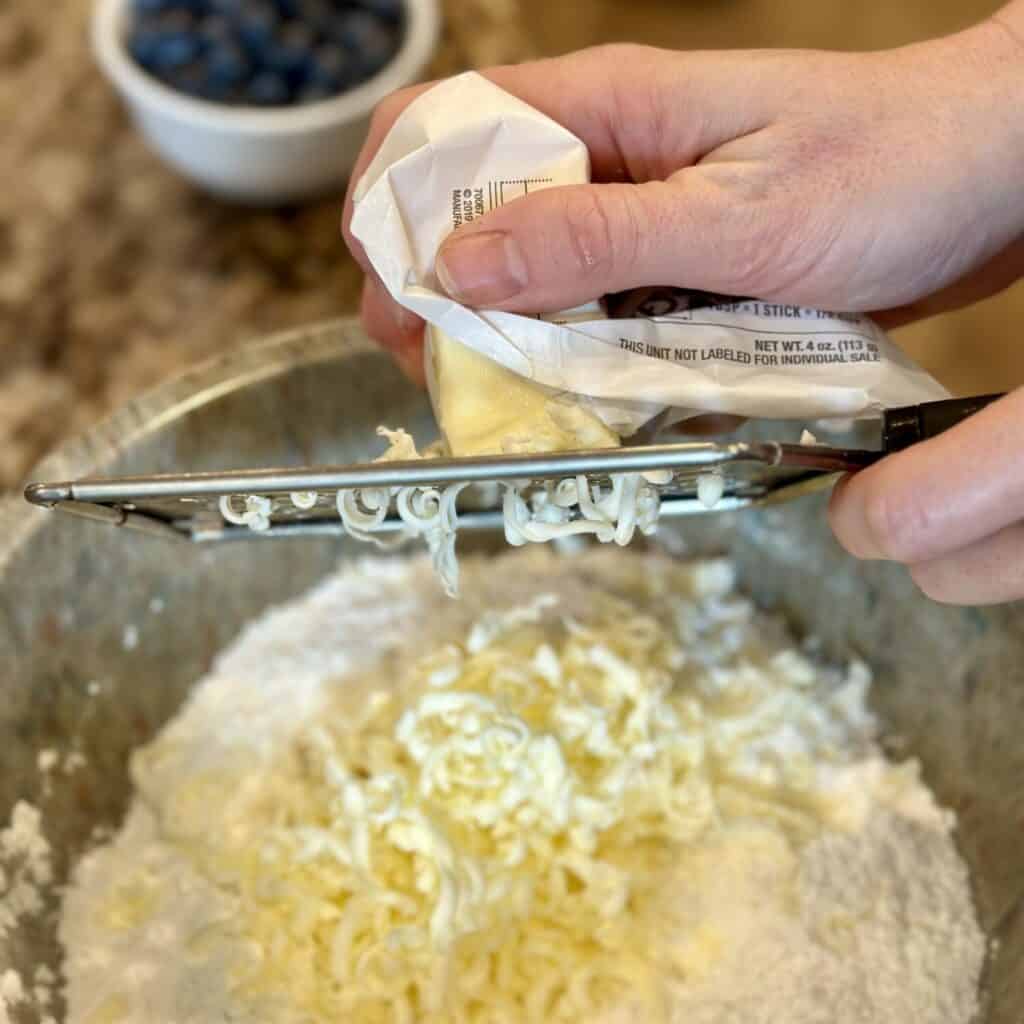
(465, 147)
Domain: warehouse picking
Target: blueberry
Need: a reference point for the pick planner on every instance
(174, 51)
(176, 20)
(298, 35)
(164, 41)
(317, 14)
(189, 78)
(143, 45)
(228, 64)
(214, 30)
(349, 25)
(257, 23)
(365, 35)
(290, 48)
(332, 68)
(265, 52)
(267, 89)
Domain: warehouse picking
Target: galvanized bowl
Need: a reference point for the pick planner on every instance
(102, 633)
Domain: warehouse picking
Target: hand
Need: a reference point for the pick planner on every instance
(883, 182)
(846, 181)
(952, 509)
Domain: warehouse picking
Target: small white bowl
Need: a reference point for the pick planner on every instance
(258, 155)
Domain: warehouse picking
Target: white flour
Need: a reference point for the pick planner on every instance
(26, 873)
(869, 921)
(884, 931)
(25, 866)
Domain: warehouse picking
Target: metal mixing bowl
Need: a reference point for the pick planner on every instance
(83, 604)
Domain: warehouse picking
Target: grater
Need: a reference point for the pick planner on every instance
(303, 501)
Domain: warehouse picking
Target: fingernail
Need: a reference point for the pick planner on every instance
(482, 269)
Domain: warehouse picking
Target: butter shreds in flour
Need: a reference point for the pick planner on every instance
(601, 788)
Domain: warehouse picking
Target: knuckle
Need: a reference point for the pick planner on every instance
(627, 108)
(589, 231)
(768, 240)
(764, 245)
(607, 56)
(634, 226)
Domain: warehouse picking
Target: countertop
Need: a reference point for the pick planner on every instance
(114, 273)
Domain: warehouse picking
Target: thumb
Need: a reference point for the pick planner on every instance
(562, 247)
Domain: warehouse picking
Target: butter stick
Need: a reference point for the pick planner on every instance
(484, 409)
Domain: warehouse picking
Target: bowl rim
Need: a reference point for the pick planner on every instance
(224, 373)
(138, 86)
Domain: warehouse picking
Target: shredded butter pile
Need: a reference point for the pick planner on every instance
(506, 814)
(492, 828)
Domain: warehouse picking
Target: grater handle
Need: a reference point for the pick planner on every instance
(904, 427)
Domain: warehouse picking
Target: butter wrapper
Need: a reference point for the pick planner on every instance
(465, 147)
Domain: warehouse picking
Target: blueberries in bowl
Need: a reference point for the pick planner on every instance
(265, 53)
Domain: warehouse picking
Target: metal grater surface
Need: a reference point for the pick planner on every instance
(189, 505)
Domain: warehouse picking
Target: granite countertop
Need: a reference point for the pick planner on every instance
(114, 273)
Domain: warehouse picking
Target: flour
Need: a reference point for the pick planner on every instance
(820, 884)
(25, 867)
(26, 873)
(11, 991)
(882, 930)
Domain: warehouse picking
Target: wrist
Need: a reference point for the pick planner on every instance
(993, 106)
(968, 91)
